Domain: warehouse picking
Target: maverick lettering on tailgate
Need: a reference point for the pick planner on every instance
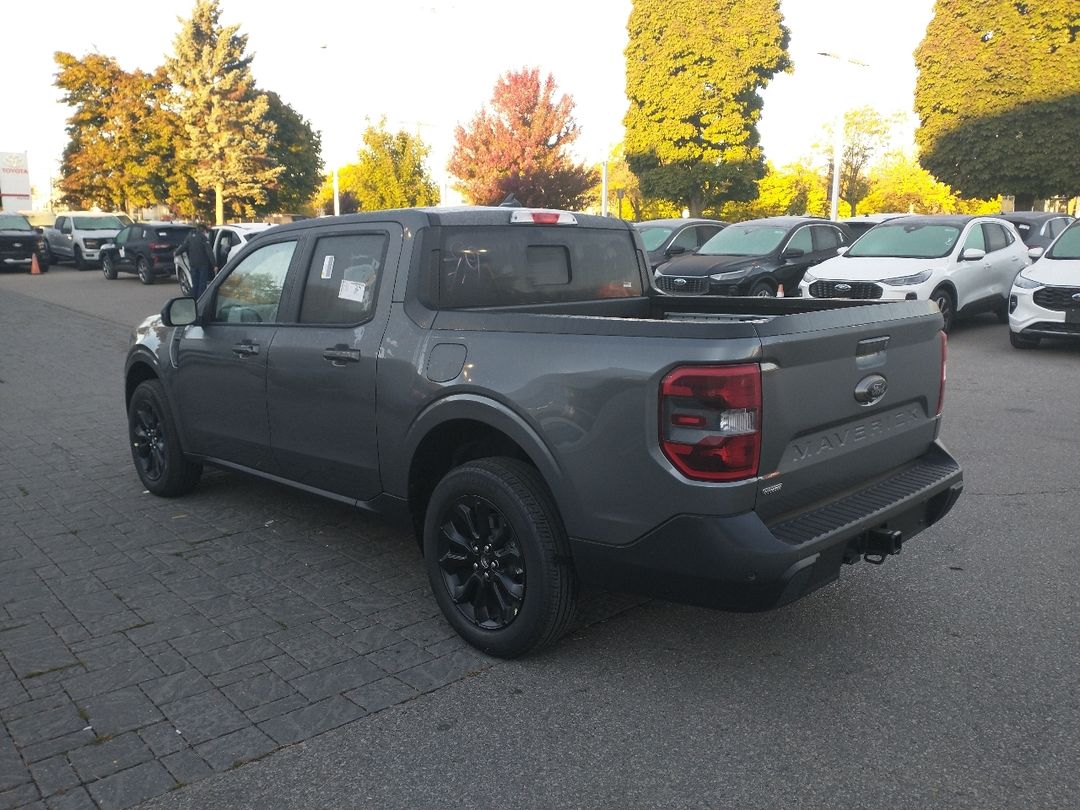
(812, 447)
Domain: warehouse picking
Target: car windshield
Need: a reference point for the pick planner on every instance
(1068, 245)
(109, 223)
(744, 240)
(14, 222)
(906, 241)
(654, 236)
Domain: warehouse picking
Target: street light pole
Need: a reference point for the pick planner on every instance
(838, 142)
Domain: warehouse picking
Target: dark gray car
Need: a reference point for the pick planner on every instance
(508, 381)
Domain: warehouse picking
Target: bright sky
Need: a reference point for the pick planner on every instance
(428, 65)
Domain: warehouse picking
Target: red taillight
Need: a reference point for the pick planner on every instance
(160, 246)
(710, 421)
(944, 358)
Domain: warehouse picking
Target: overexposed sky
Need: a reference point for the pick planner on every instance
(428, 65)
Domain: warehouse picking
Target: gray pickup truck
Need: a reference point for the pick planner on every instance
(509, 381)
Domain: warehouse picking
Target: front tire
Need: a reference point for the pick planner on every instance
(155, 444)
(108, 268)
(80, 262)
(944, 299)
(142, 267)
(762, 289)
(498, 558)
(1021, 342)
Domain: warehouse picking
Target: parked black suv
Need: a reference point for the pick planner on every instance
(754, 258)
(665, 239)
(19, 241)
(145, 248)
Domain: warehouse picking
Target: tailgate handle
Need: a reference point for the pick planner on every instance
(870, 346)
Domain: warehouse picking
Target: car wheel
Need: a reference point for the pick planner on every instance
(142, 267)
(497, 557)
(46, 258)
(1021, 342)
(108, 268)
(762, 289)
(945, 302)
(155, 444)
(184, 280)
(80, 262)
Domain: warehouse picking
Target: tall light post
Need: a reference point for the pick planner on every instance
(838, 141)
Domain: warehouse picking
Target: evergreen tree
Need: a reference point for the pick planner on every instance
(297, 149)
(693, 69)
(226, 120)
(998, 97)
(520, 146)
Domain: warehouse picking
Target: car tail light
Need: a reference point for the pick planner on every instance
(944, 358)
(160, 246)
(710, 421)
(542, 217)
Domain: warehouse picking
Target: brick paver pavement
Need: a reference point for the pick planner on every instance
(148, 643)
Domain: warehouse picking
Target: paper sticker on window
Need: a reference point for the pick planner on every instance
(352, 290)
(327, 267)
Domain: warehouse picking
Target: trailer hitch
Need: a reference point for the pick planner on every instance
(881, 543)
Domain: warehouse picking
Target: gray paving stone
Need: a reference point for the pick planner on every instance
(12, 769)
(371, 638)
(397, 657)
(168, 688)
(19, 796)
(126, 673)
(265, 711)
(57, 745)
(441, 671)
(337, 678)
(75, 799)
(99, 760)
(382, 693)
(205, 716)
(32, 658)
(186, 766)
(45, 725)
(56, 700)
(233, 656)
(168, 629)
(235, 749)
(305, 723)
(243, 673)
(250, 627)
(428, 632)
(123, 710)
(53, 775)
(132, 786)
(12, 694)
(264, 688)
(316, 650)
(162, 738)
(203, 641)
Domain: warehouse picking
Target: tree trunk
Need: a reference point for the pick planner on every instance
(1024, 202)
(695, 205)
(219, 204)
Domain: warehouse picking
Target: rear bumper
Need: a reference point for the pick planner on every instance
(740, 563)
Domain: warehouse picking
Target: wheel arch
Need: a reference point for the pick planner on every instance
(140, 369)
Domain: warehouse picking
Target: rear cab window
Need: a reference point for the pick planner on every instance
(491, 266)
(342, 278)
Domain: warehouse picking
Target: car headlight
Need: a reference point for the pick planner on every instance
(809, 278)
(906, 281)
(730, 275)
(1025, 283)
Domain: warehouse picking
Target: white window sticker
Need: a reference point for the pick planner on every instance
(328, 267)
(352, 290)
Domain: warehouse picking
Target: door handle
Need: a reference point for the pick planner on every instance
(245, 349)
(340, 355)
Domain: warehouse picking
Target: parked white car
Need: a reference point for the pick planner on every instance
(1045, 298)
(225, 241)
(965, 264)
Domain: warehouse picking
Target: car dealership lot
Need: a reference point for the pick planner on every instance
(150, 643)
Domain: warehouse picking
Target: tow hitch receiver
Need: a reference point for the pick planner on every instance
(874, 546)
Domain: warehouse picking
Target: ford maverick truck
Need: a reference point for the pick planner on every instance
(509, 381)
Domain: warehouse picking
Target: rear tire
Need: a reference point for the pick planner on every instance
(142, 267)
(107, 267)
(498, 558)
(155, 444)
(947, 304)
(1021, 342)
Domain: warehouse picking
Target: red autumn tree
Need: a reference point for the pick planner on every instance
(520, 146)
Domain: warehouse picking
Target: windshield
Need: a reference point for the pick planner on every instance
(14, 222)
(654, 237)
(1068, 244)
(109, 223)
(906, 241)
(744, 240)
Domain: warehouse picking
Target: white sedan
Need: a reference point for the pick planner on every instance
(1045, 298)
(965, 264)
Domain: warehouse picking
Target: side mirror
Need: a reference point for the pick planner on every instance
(180, 312)
(793, 253)
(972, 254)
(39, 231)
(840, 251)
(675, 250)
(1035, 252)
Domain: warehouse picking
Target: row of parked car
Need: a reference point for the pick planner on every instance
(966, 264)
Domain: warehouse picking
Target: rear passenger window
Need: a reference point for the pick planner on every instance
(827, 238)
(687, 239)
(802, 240)
(341, 280)
(995, 237)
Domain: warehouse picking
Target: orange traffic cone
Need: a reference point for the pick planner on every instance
(35, 268)
(780, 291)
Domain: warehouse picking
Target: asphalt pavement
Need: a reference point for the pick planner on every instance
(946, 677)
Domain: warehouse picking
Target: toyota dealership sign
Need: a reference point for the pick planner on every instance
(14, 182)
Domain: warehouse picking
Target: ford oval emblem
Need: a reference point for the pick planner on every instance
(681, 282)
(871, 389)
(843, 288)
(1076, 297)
(16, 244)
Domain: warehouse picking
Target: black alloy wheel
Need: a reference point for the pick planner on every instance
(944, 300)
(482, 566)
(155, 445)
(762, 289)
(108, 268)
(142, 267)
(498, 558)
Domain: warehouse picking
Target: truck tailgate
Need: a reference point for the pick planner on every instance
(847, 396)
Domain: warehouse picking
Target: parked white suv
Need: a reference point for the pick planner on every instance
(225, 240)
(965, 264)
(1045, 298)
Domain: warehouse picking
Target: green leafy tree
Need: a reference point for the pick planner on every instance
(898, 184)
(998, 97)
(390, 172)
(520, 146)
(227, 124)
(796, 189)
(635, 205)
(693, 70)
(296, 148)
(867, 134)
